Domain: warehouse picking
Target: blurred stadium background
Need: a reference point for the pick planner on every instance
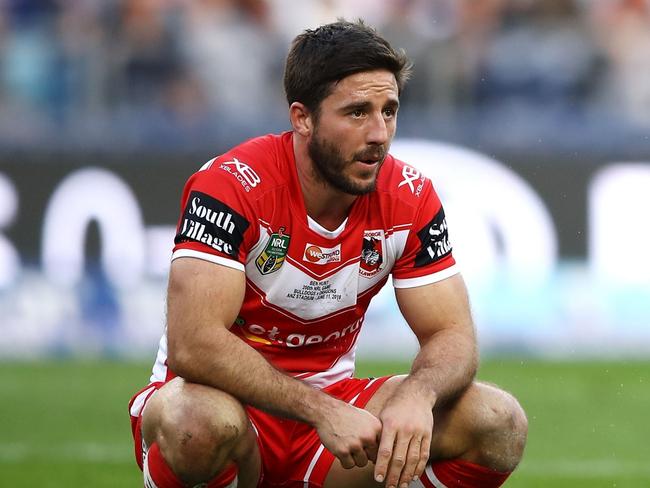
(532, 117)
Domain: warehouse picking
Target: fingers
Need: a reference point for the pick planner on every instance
(384, 453)
(425, 448)
(355, 456)
(347, 461)
(371, 451)
(401, 459)
(412, 461)
(398, 461)
(360, 458)
(351, 434)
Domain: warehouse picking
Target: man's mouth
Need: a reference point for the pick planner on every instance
(370, 158)
(369, 161)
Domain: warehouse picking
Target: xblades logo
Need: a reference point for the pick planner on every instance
(244, 173)
(410, 175)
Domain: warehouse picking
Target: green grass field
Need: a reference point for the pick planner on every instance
(64, 424)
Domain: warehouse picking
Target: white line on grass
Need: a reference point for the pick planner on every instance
(90, 452)
(585, 468)
(93, 452)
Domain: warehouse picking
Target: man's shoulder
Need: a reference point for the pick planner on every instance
(256, 165)
(262, 148)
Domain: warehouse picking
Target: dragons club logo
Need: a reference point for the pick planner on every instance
(372, 253)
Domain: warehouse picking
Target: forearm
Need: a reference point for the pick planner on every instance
(223, 361)
(440, 316)
(445, 365)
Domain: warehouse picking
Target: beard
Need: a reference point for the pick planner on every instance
(330, 165)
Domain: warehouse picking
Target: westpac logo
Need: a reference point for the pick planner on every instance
(322, 255)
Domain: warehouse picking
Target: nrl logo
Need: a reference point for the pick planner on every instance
(273, 255)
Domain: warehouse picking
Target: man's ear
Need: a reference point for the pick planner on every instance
(301, 119)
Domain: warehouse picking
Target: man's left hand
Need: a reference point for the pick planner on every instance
(407, 427)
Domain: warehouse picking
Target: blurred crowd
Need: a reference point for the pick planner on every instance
(176, 73)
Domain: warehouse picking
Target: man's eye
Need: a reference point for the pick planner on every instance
(357, 113)
(389, 112)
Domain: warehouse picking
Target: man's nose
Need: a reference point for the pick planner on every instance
(377, 130)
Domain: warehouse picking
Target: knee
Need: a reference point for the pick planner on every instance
(198, 433)
(503, 428)
(503, 413)
(195, 429)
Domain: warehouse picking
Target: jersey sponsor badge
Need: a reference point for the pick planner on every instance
(411, 177)
(372, 253)
(322, 255)
(242, 172)
(274, 254)
(434, 240)
(212, 222)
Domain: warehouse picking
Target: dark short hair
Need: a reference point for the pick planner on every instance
(321, 57)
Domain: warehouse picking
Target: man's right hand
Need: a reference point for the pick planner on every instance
(350, 433)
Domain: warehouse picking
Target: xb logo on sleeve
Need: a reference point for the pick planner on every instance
(410, 175)
(273, 255)
(243, 172)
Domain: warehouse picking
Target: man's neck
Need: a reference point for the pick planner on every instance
(326, 205)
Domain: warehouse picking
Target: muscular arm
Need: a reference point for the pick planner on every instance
(203, 301)
(440, 317)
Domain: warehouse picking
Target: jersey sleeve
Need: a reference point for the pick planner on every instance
(217, 221)
(427, 255)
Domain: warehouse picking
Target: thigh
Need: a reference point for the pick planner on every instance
(454, 431)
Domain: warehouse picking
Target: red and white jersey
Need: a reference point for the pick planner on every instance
(307, 288)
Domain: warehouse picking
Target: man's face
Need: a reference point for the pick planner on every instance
(353, 131)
